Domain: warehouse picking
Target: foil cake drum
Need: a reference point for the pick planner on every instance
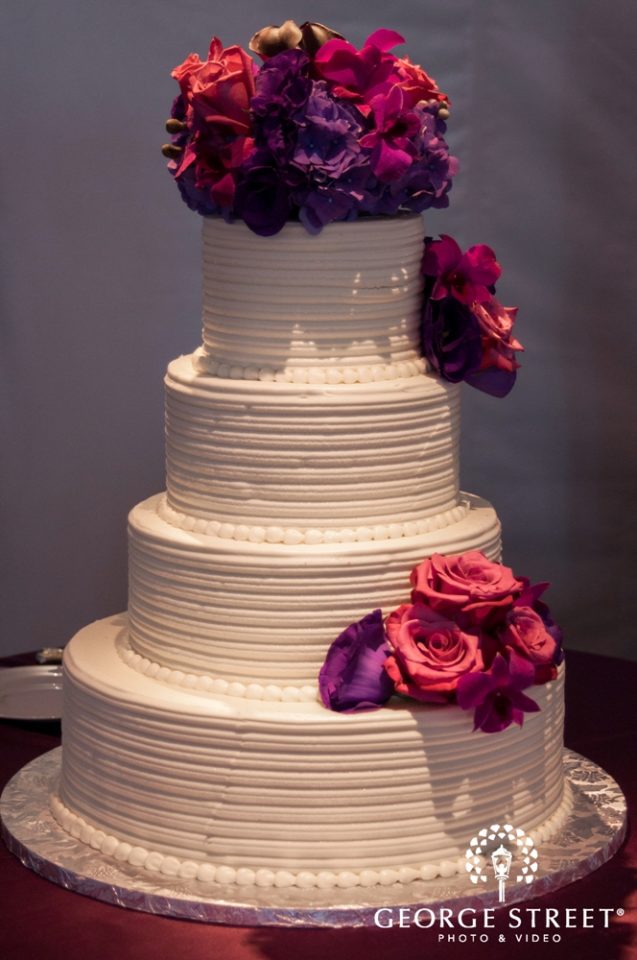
(591, 834)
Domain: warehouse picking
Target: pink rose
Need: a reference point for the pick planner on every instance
(415, 83)
(465, 586)
(429, 653)
(184, 72)
(218, 90)
(526, 632)
(496, 329)
(214, 166)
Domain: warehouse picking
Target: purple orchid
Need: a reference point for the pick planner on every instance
(353, 676)
(495, 695)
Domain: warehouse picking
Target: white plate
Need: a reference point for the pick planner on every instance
(31, 693)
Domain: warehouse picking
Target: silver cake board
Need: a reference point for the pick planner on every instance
(590, 835)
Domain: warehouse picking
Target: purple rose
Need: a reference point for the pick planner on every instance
(451, 339)
(495, 695)
(353, 676)
(262, 198)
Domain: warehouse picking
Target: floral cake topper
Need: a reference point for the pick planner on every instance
(472, 633)
(320, 132)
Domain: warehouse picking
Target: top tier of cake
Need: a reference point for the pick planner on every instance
(342, 306)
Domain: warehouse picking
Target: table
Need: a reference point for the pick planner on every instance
(40, 921)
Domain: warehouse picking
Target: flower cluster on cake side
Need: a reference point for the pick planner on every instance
(472, 634)
(466, 332)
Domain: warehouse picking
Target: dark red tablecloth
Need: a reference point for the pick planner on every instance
(41, 921)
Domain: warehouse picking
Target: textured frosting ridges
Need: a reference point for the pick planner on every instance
(277, 454)
(349, 296)
(292, 787)
(267, 612)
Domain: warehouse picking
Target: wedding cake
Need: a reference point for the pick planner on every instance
(276, 708)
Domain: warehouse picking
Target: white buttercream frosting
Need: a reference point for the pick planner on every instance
(278, 794)
(257, 533)
(309, 456)
(263, 612)
(361, 373)
(349, 297)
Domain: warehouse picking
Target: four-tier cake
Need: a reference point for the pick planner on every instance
(312, 464)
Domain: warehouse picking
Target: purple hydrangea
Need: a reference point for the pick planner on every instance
(327, 136)
(283, 86)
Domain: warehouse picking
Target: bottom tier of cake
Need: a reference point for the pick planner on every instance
(237, 790)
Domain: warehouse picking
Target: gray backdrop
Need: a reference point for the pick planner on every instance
(101, 281)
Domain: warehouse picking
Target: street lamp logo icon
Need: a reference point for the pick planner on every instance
(499, 849)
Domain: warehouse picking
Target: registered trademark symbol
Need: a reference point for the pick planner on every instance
(619, 911)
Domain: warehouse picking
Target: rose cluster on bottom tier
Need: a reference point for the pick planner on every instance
(474, 634)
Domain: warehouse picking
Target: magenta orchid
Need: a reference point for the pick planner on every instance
(495, 695)
(390, 140)
(465, 276)
(360, 75)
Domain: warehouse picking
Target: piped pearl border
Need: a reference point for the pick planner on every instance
(318, 374)
(205, 683)
(207, 872)
(294, 536)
